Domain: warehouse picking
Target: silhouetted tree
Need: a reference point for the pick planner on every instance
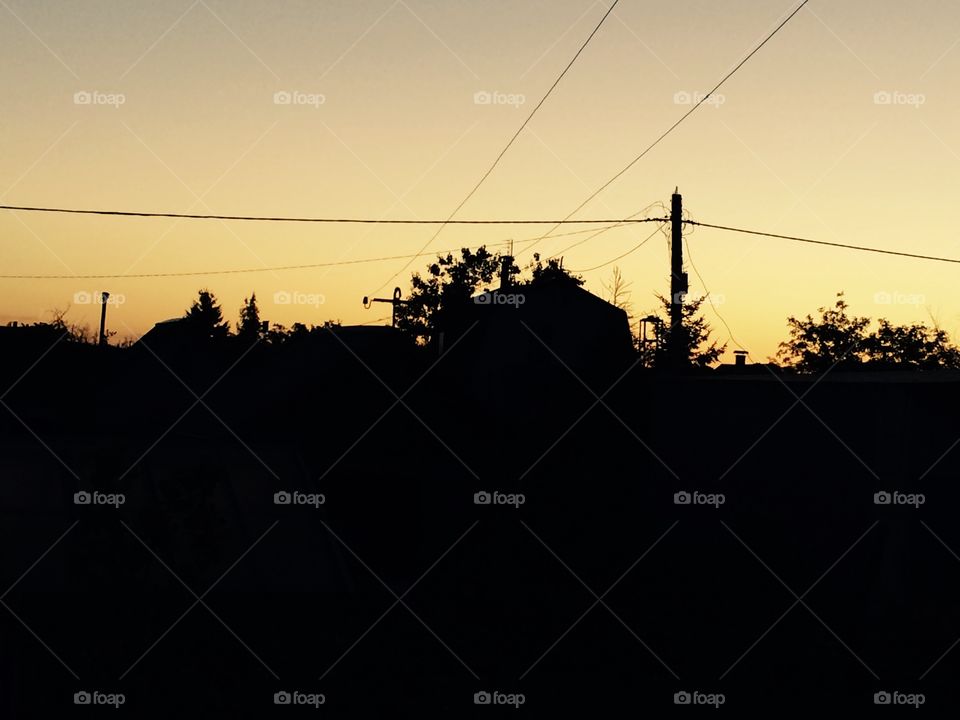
(550, 271)
(73, 332)
(619, 292)
(701, 352)
(448, 281)
(277, 334)
(452, 281)
(249, 327)
(298, 332)
(835, 338)
(911, 346)
(206, 316)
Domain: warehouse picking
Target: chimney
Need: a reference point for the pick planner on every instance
(741, 357)
(102, 338)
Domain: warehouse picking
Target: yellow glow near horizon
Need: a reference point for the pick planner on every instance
(842, 129)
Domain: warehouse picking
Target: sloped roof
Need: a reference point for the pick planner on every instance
(567, 293)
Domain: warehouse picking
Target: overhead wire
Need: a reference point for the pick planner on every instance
(686, 115)
(309, 266)
(861, 248)
(510, 142)
(293, 219)
(606, 229)
(709, 297)
(620, 257)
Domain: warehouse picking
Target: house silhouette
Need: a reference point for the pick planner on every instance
(539, 333)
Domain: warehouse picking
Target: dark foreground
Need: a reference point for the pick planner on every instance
(400, 595)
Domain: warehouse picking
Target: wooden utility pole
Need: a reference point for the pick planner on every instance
(677, 349)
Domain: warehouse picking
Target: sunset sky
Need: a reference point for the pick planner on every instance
(844, 128)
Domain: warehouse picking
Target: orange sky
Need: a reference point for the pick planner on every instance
(844, 128)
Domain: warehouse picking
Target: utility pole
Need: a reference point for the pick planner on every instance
(396, 302)
(104, 296)
(677, 349)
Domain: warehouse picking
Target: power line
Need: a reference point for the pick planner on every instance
(509, 143)
(620, 257)
(687, 114)
(709, 297)
(239, 271)
(861, 248)
(611, 225)
(262, 218)
(607, 229)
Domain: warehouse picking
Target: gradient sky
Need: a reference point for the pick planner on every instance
(799, 146)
